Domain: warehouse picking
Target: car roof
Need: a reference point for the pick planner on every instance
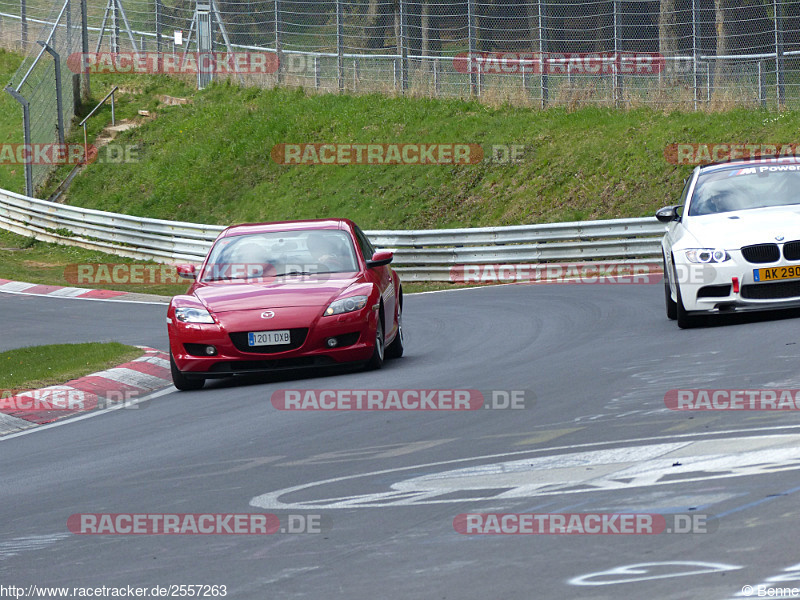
(302, 225)
(748, 161)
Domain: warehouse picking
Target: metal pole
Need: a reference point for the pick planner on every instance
(762, 85)
(23, 23)
(278, 45)
(436, 89)
(102, 29)
(127, 26)
(694, 54)
(403, 46)
(26, 129)
(473, 76)
(68, 36)
(340, 44)
(160, 58)
(316, 72)
(223, 30)
(86, 91)
(779, 49)
(202, 15)
(188, 40)
(616, 79)
(59, 100)
(543, 66)
(114, 27)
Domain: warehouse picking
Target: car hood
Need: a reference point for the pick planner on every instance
(756, 226)
(225, 297)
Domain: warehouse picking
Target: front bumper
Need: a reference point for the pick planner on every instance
(712, 287)
(355, 334)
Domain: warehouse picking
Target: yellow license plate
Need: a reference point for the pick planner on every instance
(776, 273)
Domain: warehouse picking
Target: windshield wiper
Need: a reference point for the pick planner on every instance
(294, 273)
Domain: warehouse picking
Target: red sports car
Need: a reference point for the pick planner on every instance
(288, 295)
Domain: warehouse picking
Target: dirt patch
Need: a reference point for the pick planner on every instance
(39, 265)
(173, 101)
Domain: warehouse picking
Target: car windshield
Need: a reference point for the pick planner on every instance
(741, 188)
(280, 254)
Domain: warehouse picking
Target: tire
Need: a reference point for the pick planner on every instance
(180, 381)
(395, 349)
(376, 362)
(672, 306)
(685, 320)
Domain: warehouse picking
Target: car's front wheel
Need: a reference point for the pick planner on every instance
(180, 381)
(376, 362)
(672, 306)
(395, 349)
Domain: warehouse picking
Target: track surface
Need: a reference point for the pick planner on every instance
(599, 359)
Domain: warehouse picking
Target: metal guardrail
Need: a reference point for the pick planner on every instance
(426, 255)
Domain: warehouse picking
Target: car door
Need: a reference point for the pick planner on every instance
(383, 277)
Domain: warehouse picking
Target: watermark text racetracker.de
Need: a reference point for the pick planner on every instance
(583, 523)
(594, 272)
(398, 153)
(161, 274)
(554, 63)
(121, 274)
(197, 523)
(68, 154)
(401, 399)
(716, 152)
(66, 399)
(586, 273)
(733, 399)
(218, 63)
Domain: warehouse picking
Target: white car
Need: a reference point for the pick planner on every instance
(733, 243)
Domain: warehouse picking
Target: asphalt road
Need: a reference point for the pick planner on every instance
(598, 359)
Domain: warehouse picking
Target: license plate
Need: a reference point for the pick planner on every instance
(268, 338)
(776, 273)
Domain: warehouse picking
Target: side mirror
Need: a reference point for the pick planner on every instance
(668, 214)
(383, 257)
(186, 271)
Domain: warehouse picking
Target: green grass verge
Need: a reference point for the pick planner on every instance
(39, 366)
(209, 161)
(12, 177)
(24, 259)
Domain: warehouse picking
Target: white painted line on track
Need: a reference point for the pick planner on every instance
(127, 405)
(164, 303)
(263, 500)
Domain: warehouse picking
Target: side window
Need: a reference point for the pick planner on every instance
(367, 249)
(685, 192)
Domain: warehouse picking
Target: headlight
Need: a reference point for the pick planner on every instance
(346, 305)
(193, 315)
(707, 255)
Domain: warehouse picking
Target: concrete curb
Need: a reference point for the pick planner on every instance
(97, 391)
(56, 291)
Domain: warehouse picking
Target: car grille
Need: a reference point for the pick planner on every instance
(243, 366)
(791, 250)
(761, 253)
(772, 291)
(297, 337)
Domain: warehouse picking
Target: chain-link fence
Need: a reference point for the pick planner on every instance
(688, 53)
(675, 53)
(46, 89)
